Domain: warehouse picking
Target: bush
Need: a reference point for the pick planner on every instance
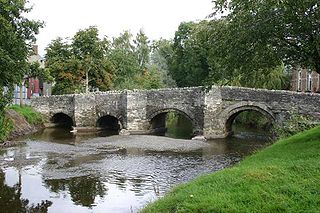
(253, 119)
(6, 127)
(297, 123)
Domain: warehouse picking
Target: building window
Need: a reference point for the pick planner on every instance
(309, 81)
(299, 80)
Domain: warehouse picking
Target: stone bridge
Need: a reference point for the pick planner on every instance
(211, 112)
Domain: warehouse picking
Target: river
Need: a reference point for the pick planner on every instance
(57, 171)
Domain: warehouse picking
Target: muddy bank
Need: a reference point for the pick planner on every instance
(147, 143)
(21, 127)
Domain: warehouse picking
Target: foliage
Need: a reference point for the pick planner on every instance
(199, 58)
(32, 116)
(125, 60)
(297, 123)
(6, 127)
(260, 34)
(253, 119)
(90, 62)
(90, 53)
(285, 175)
(81, 64)
(16, 34)
(161, 53)
(188, 64)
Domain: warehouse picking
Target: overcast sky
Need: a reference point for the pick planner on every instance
(158, 18)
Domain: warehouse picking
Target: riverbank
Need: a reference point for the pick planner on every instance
(23, 121)
(283, 177)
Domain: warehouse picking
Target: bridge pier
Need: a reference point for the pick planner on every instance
(136, 112)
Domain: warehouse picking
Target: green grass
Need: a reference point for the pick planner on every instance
(284, 177)
(29, 113)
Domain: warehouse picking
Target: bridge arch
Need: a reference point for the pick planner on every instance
(229, 114)
(110, 122)
(157, 119)
(61, 119)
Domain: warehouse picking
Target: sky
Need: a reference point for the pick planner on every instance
(158, 18)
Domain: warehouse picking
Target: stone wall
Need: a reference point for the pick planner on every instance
(187, 101)
(211, 112)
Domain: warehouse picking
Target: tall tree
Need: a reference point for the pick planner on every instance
(142, 49)
(64, 67)
(125, 60)
(16, 34)
(80, 64)
(162, 52)
(189, 66)
(274, 30)
(90, 50)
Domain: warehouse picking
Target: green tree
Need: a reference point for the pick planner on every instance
(188, 66)
(125, 61)
(200, 57)
(64, 68)
(142, 49)
(91, 53)
(162, 52)
(80, 64)
(262, 34)
(16, 34)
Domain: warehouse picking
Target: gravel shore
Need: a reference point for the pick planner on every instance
(148, 143)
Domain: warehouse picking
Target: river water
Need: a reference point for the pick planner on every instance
(57, 171)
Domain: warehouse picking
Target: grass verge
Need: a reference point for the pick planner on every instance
(29, 113)
(284, 177)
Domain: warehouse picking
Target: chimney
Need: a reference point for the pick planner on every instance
(34, 49)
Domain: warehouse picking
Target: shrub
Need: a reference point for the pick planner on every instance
(297, 123)
(6, 127)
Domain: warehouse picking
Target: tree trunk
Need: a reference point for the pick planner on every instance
(87, 81)
(317, 65)
(21, 96)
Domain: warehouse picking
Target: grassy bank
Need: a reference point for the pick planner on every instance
(19, 123)
(28, 113)
(284, 177)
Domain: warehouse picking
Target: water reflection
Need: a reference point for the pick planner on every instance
(64, 135)
(83, 190)
(11, 199)
(57, 171)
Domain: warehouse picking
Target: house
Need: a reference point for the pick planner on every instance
(32, 86)
(305, 80)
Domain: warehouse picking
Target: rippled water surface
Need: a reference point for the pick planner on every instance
(61, 172)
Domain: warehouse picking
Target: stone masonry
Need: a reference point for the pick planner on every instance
(210, 111)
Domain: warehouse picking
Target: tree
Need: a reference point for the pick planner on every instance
(188, 65)
(162, 52)
(80, 64)
(262, 34)
(16, 35)
(91, 52)
(142, 49)
(63, 67)
(86, 61)
(125, 61)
